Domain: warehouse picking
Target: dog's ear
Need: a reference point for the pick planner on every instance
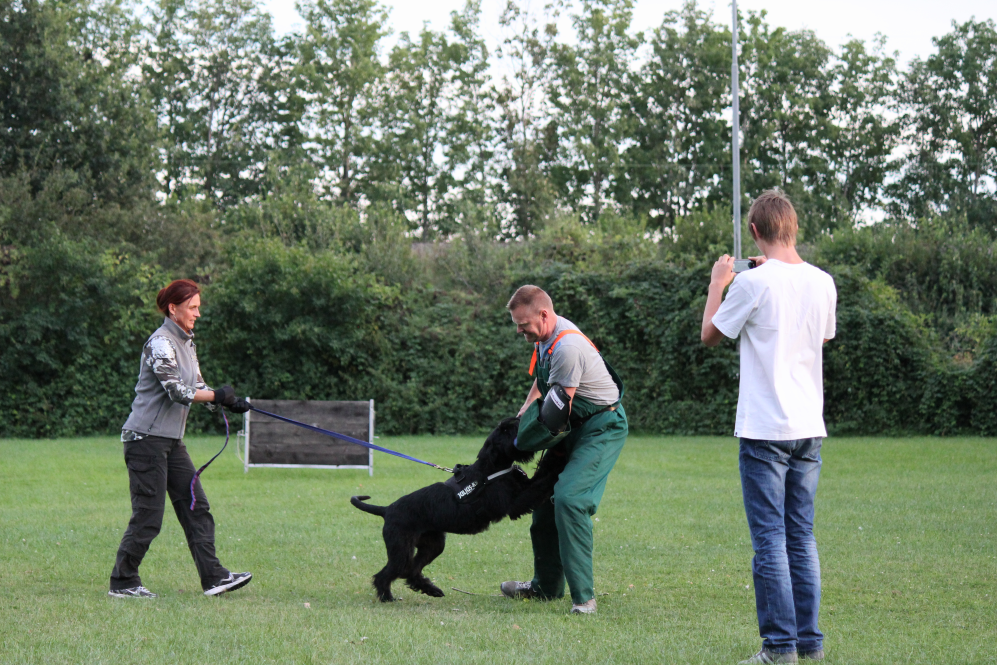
(499, 448)
(490, 451)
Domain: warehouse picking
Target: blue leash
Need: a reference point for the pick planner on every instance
(348, 439)
(193, 498)
(335, 435)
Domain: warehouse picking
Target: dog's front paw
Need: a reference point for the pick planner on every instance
(423, 585)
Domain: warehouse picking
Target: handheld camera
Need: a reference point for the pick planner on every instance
(740, 265)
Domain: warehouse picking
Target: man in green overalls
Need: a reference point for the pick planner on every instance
(596, 430)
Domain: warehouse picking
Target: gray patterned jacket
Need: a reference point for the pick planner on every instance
(168, 377)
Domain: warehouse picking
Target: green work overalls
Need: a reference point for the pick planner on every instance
(562, 529)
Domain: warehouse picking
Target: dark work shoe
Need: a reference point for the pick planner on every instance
(587, 607)
(231, 583)
(766, 657)
(134, 592)
(517, 589)
(812, 655)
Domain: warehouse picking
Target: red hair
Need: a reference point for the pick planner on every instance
(176, 292)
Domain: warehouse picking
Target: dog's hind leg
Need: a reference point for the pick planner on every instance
(382, 583)
(401, 547)
(430, 546)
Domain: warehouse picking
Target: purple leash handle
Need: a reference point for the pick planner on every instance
(193, 498)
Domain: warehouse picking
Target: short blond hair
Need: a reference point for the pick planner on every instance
(774, 217)
(532, 297)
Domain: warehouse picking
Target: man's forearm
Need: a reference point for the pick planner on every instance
(533, 395)
(713, 300)
(720, 277)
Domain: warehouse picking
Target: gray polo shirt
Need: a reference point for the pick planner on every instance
(576, 364)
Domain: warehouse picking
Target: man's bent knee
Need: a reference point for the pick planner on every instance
(573, 505)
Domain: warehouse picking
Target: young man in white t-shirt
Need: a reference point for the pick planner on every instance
(783, 311)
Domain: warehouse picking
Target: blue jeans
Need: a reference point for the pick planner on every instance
(779, 481)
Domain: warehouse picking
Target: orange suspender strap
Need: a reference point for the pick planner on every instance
(550, 351)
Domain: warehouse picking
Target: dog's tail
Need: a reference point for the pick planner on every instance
(358, 501)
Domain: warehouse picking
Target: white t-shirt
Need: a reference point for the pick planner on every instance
(783, 312)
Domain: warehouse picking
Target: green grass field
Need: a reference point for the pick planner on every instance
(906, 530)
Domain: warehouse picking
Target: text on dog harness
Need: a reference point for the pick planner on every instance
(469, 489)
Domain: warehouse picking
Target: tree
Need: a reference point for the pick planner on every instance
(471, 132)
(341, 73)
(437, 141)
(813, 122)
(592, 78)
(214, 72)
(949, 102)
(420, 81)
(678, 159)
(523, 98)
(68, 103)
(786, 106)
(861, 137)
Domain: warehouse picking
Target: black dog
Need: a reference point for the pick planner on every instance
(469, 503)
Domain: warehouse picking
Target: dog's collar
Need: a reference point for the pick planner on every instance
(501, 473)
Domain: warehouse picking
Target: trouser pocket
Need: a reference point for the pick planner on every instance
(143, 475)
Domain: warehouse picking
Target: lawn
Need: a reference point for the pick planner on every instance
(906, 531)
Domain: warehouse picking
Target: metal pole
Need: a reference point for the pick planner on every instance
(370, 439)
(735, 136)
(245, 426)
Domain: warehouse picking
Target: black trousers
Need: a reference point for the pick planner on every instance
(157, 467)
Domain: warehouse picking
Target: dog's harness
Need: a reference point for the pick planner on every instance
(467, 481)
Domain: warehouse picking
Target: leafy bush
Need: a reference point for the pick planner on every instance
(983, 393)
(876, 366)
(940, 267)
(434, 345)
(72, 321)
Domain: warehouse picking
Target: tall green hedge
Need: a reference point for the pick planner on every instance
(72, 323)
(287, 322)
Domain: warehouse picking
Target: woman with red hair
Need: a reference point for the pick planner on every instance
(169, 381)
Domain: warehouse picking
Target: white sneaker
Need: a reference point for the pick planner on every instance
(134, 592)
(587, 607)
(231, 583)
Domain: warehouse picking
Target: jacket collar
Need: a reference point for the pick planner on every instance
(180, 332)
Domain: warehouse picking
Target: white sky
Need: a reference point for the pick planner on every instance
(908, 25)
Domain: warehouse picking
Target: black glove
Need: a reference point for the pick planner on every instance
(239, 405)
(225, 396)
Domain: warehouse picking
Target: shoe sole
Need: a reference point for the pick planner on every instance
(574, 611)
(111, 594)
(219, 590)
(517, 595)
